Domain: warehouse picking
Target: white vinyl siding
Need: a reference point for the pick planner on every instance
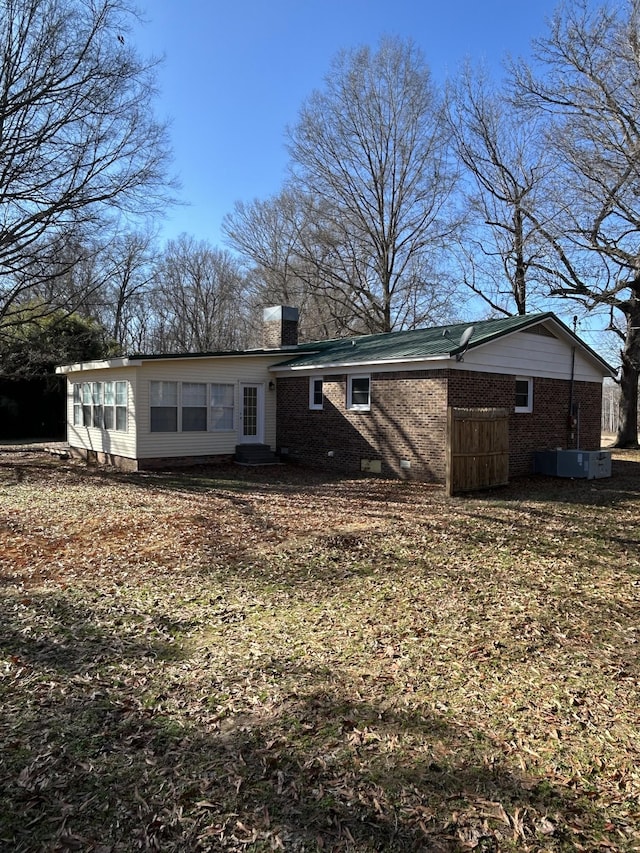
(524, 354)
(118, 385)
(223, 377)
(139, 442)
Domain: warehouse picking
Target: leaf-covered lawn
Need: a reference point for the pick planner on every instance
(253, 660)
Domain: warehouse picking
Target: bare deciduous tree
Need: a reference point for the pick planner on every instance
(78, 141)
(371, 158)
(199, 299)
(268, 235)
(588, 88)
(500, 149)
(265, 233)
(128, 274)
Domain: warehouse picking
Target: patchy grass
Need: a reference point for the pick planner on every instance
(235, 660)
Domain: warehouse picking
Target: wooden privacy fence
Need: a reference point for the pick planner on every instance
(477, 449)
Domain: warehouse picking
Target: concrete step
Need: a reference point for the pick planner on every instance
(255, 454)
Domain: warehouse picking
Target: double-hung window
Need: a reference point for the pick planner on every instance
(163, 400)
(524, 394)
(191, 406)
(222, 405)
(109, 405)
(86, 404)
(194, 407)
(77, 405)
(121, 406)
(359, 393)
(96, 401)
(316, 394)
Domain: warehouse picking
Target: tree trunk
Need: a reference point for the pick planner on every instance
(520, 279)
(628, 407)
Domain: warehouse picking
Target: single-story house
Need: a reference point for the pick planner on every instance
(372, 402)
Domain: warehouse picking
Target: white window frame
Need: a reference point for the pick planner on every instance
(186, 402)
(122, 404)
(176, 405)
(89, 404)
(109, 404)
(312, 394)
(529, 407)
(97, 396)
(358, 407)
(221, 407)
(77, 404)
(87, 407)
(182, 398)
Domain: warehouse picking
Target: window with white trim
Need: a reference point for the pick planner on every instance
(121, 406)
(359, 393)
(102, 405)
(115, 406)
(163, 406)
(194, 407)
(524, 394)
(316, 394)
(191, 406)
(77, 405)
(96, 402)
(109, 405)
(86, 403)
(222, 406)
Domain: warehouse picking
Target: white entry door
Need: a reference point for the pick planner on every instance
(251, 414)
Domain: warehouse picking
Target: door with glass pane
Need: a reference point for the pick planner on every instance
(251, 414)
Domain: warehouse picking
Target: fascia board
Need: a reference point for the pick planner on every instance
(140, 360)
(98, 365)
(348, 365)
(586, 351)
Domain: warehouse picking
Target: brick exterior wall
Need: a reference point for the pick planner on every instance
(547, 426)
(408, 420)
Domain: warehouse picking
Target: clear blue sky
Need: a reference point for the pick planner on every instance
(237, 71)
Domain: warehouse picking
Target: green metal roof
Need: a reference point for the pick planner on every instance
(432, 343)
(436, 342)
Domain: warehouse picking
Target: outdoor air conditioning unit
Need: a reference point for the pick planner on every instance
(588, 464)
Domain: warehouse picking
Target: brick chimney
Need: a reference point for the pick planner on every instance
(280, 326)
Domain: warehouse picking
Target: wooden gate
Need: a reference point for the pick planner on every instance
(477, 449)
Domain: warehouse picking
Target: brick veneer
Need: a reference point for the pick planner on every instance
(408, 419)
(547, 426)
